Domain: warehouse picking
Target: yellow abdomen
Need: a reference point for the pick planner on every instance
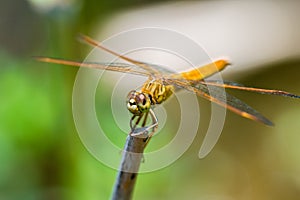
(203, 71)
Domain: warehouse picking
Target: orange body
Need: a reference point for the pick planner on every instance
(203, 71)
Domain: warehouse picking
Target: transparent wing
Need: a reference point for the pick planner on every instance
(117, 67)
(237, 86)
(96, 44)
(137, 67)
(220, 97)
(217, 95)
(154, 70)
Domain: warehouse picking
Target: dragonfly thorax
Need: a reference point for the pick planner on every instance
(157, 91)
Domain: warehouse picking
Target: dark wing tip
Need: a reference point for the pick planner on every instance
(268, 122)
(254, 115)
(284, 93)
(293, 95)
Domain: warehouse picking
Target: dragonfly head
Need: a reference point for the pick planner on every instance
(138, 102)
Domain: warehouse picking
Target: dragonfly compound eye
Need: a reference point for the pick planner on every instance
(143, 102)
(138, 102)
(131, 103)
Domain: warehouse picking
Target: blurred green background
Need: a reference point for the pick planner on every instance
(42, 156)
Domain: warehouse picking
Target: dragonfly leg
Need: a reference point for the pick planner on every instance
(145, 119)
(150, 129)
(153, 126)
(135, 130)
(137, 121)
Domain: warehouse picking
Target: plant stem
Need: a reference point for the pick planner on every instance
(131, 159)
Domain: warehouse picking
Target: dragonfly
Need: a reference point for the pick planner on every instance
(161, 84)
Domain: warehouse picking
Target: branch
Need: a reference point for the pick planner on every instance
(132, 157)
